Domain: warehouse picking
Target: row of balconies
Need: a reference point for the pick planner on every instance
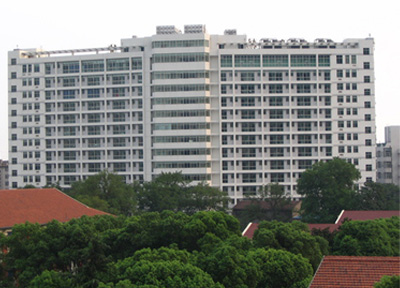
(93, 118)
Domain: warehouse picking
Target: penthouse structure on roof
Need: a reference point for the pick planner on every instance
(233, 112)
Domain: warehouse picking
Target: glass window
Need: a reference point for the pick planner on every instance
(275, 61)
(303, 60)
(226, 60)
(247, 61)
(118, 64)
(93, 66)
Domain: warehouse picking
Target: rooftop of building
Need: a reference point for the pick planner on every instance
(263, 43)
(40, 206)
(344, 215)
(354, 271)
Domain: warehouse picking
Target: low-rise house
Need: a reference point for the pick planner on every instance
(355, 215)
(39, 206)
(343, 216)
(354, 271)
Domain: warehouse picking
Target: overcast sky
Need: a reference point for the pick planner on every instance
(72, 24)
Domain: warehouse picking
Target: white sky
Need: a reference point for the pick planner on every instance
(72, 24)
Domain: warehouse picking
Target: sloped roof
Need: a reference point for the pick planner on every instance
(345, 214)
(366, 215)
(249, 230)
(40, 206)
(354, 271)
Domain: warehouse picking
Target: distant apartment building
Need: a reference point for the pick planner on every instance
(3, 174)
(388, 157)
(233, 112)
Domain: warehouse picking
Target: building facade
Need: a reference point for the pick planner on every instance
(233, 112)
(388, 157)
(3, 175)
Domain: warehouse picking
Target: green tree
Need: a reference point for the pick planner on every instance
(328, 188)
(294, 237)
(202, 197)
(378, 237)
(51, 279)
(107, 191)
(378, 196)
(73, 248)
(271, 203)
(162, 267)
(229, 266)
(279, 268)
(388, 282)
(171, 191)
(163, 193)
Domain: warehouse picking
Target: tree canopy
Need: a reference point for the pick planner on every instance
(105, 191)
(152, 249)
(170, 191)
(328, 188)
(378, 196)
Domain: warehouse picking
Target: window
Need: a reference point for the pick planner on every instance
(276, 139)
(304, 139)
(339, 59)
(277, 177)
(305, 164)
(248, 139)
(365, 51)
(303, 76)
(94, 167)
(70, 67)
(275, 101)
(276, 114)
(303, 60)
(247, 61)
(226, 60)
(248, 152)
(92, 66)
(276, 126)
(367, 65)
(324, 61)
(94, 155)
(367, 79)
(275, 61)
(304, 151)
(276, 152)
(249, 178)
(249, 165)
(275, 76)
(118, 64)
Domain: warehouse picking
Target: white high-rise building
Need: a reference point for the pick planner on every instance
(234, 112)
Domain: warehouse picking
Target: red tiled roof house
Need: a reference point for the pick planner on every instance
(39, 206)
(354, 271)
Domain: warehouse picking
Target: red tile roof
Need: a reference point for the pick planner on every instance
(355, 215)
(40, 206)
(354, 271)
(249, 231)
(345, 214)
(366, 215)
